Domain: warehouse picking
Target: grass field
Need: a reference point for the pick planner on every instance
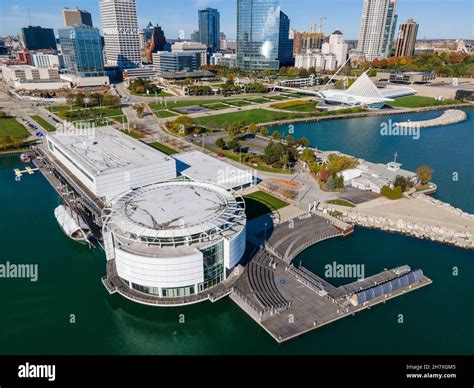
(297, 106)
(163, 114)
(160, 94)
(45, 124)
(260, 100)
(111, 113)
(261, 203)
(418, 102)
(165, 149)
(239, 103)
(247, 117)
(341, 202)
(217, 106)
(134, 134)
(9, 127)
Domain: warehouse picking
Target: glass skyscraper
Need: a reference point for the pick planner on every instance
(82, 50)
(38, 38)
(258, 34)
(210, 28)
(285, 45)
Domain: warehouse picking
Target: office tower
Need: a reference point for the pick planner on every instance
(76, 16)
(307, 41)
(209, 28)
(223, 41)
(377, 30)
(191, 47)
(156, 43)
(258, 34)
(165, 61)
(405, 45)
(337, 47)
(121, 33)
(285, 45)
(148, 31)
(195, 37)
(82, 51)
(38, 38)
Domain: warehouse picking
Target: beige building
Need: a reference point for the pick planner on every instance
(405, 45)
(25, 77)
(76, 16)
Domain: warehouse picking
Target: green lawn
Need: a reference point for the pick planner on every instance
(304, 107)
(259, 100)
(163, 114)
(246, 117)
(165, 149)
(341, 202)
(418, 102)
(9, 127)
(160, 94)
(115, 113)
(45, 124)
(239, 103)
(261, 203)
(217, 106)
(134, 134)
(278, 98)
(181, 104)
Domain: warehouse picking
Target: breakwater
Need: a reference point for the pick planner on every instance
(451, 116)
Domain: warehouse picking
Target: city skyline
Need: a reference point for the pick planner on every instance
(342, 14)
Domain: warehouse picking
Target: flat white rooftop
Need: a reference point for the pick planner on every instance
(104, 150)
(204, 168)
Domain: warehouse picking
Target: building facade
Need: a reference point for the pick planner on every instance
(46, 59)
(192, 47)
(76, 16)
(82, 51)
(156, 43)
(336, 46)
(406, 40)
(307, 41)
(38, 38)
(121, 33)
(377, 29)
(165, 61)
(258, 34)
(316, 60)
(285, 45)
(209, 28)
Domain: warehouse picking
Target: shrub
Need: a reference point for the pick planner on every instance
(394, 194)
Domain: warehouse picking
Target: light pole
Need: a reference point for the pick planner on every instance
(265, 240)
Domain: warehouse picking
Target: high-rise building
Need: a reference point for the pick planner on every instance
(223, 41)
(337, 46)
(307, 41)
(285, 44)
(121, 33)
(76, 16)
(195, 37)
(148, 31)
(258, 34)
(377, 29)
(156, 43)
(82, 50)
(210, 28)
(405, 45)
(38, 38)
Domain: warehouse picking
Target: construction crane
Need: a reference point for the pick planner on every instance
(321, 25)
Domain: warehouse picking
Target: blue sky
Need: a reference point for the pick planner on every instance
(437, 18)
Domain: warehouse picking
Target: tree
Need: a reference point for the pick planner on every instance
(79, 100)
(234, 128)
(2, 114)
(403, 182)
(264, 131)
(307, 155)
(139, 109)
(252, 128)
(233, 145)
(70, 98)
(110, 100)
(276, 135)
(290, 139)
(304, 142)
(274, 153)
(220, 142)
(324, 175)
(95, 99)
(424, 174)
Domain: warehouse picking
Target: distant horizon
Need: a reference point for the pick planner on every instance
(341, 14)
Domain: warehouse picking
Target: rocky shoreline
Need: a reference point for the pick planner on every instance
(426, 232)
(451, 116)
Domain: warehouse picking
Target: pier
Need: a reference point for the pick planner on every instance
(288, 302)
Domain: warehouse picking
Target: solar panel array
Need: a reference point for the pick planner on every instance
(389, 287)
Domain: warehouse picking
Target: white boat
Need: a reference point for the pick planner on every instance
(72, 224)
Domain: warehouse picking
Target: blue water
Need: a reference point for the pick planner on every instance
(447, 150)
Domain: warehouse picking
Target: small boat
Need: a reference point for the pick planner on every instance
(72, 224)
(26, 158)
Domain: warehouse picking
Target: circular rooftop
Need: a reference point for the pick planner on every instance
(175, 213)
